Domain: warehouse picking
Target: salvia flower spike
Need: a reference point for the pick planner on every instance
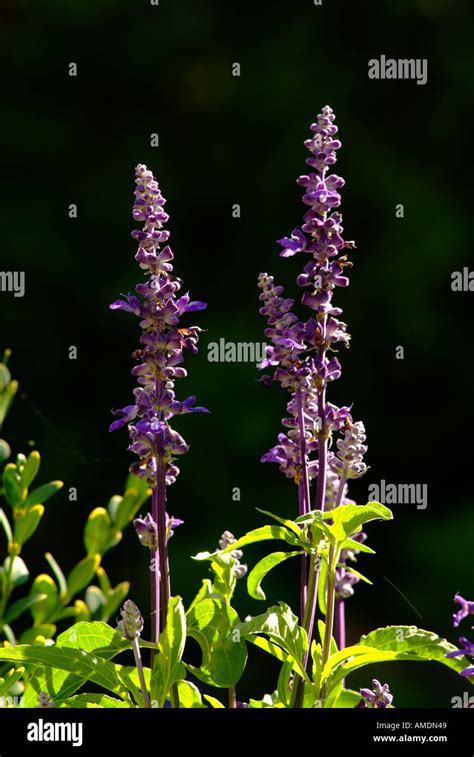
(159, 306)
(302, 352)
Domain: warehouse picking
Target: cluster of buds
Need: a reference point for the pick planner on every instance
(131, 624)
(227, 538)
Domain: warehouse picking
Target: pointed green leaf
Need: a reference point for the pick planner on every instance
(291, 525)
(87, 701)
(77, 661)
(42, 493)
(82, 574)
(19, 607)
(168, 668)
(264, 566)
(98, 531)
(26, 525)
(30, 469)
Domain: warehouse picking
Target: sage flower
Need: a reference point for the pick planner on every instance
(162, 342)
(377, 697)
(467, 608)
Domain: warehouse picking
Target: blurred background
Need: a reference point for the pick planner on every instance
(226, 140)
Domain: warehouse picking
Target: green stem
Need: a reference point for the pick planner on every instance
(330, 602)
(232, 698)
(298, 684)
(141, 676)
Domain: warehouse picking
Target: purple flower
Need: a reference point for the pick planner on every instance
(377, 697)
(467, 608)
(467, 648)
(147, 530)
(162, 342)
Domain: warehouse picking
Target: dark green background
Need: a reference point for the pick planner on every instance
(226, 140)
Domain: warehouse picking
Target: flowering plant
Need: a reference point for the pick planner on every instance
(321, 450)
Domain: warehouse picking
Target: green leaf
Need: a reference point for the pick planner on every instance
(26, 524)
(347, 698)
(348, 519)
(59, 575)
(6, 525)
(264, 566)
(140, 485)
(42, 493)
(350, 569)
(130, 679)
(281, 626)
(92, 701)
(43, 586)
(128, 507)
(82, 574)
(396, 643)
(97, 638)
(424, 645)
(98, 531)
(168, 668)
(95, 601)
(215, 703)
(115, 599)
(290, 524)
(6, 399)
(322, 582)
(38, 634)
(190, 696)
(5, 450)
(77, 661)
(211, 623)
(268, 646)
(357, 546)
(19, 607)
(225, 578)
(30, 469)
(264, 533)
(284, 680)
(15, 493)
(11, 678)
(19, 571)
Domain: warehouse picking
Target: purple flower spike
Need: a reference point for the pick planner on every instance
(467, 608)
(162, 342)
